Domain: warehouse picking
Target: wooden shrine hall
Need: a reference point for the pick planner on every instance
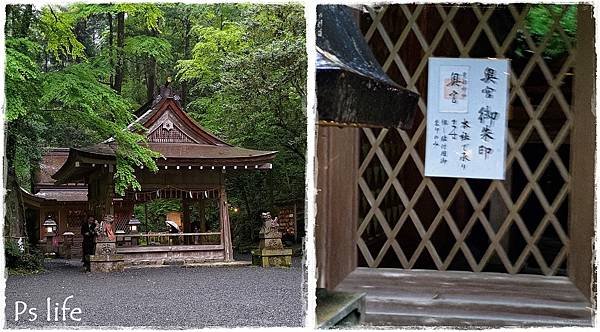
(192, 168)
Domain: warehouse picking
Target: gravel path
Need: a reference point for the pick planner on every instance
(192, 297)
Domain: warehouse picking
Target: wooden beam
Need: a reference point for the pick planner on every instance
(583, 146)
(398, 297)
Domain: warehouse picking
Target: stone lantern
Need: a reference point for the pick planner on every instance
(51, 227)
(133, 224)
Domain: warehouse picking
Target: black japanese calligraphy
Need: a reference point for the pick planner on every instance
(489, 92)
(486, 114)
(486, 151)
(489, 75)
(487, 134)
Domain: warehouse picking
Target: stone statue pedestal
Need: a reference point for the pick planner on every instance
(105, 258)
(270, 250)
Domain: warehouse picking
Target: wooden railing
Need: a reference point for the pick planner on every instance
(168, 239)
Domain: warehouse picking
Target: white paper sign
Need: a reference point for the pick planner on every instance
(466, 118)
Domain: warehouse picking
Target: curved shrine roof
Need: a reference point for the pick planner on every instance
(186, 151)
(51, 162)
(172, 133)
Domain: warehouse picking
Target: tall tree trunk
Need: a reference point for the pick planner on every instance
(151, 72)
(111, 51)
(26, 21)
(82, 34)
(150, 78)
(119, 71)
(14, 222)
(186, 55)
(14, 213)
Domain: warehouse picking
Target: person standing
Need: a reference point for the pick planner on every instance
(88, 230)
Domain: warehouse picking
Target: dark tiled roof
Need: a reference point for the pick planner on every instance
(198, 151)
(104, 149)
(64, 194)
(52, 161)
(207, 149)
(185, 151)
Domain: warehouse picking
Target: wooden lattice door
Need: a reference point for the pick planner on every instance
(516, 226)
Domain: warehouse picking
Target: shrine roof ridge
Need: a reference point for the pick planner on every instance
(175, 135)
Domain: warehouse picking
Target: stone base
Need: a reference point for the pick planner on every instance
(272, 243)
(105, 247)
(172, 255)
(107, 263)
(272, 257)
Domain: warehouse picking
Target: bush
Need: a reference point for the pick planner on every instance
(28, 260)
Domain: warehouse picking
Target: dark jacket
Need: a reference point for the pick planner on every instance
(89, 232)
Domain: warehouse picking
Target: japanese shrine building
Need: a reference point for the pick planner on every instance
(192, 168)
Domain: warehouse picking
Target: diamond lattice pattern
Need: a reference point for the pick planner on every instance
(518, 225)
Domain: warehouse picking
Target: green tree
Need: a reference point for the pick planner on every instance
(247, 75)
(539, 22)
(76, 73)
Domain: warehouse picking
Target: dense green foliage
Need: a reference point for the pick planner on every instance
(48, 72)
(154, 216)
(22, 260)
(541, 20)
(76, 73)
(246, 63)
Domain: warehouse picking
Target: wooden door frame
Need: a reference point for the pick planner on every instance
(582, 212)
(337, 204)
(337, 188)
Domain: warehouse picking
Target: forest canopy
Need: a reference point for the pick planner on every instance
(76, 74)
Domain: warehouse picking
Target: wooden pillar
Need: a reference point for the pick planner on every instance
(224, 221)
(108, 192)
(42, 229)
(93, 199)
(202, 220)
(101, 192)
(498, 214)
(337, 204)
(187, 224)
(583, 145)
(146, 216)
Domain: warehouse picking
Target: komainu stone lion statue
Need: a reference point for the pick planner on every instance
(270, 250)
(104, 229)
(270, 225)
